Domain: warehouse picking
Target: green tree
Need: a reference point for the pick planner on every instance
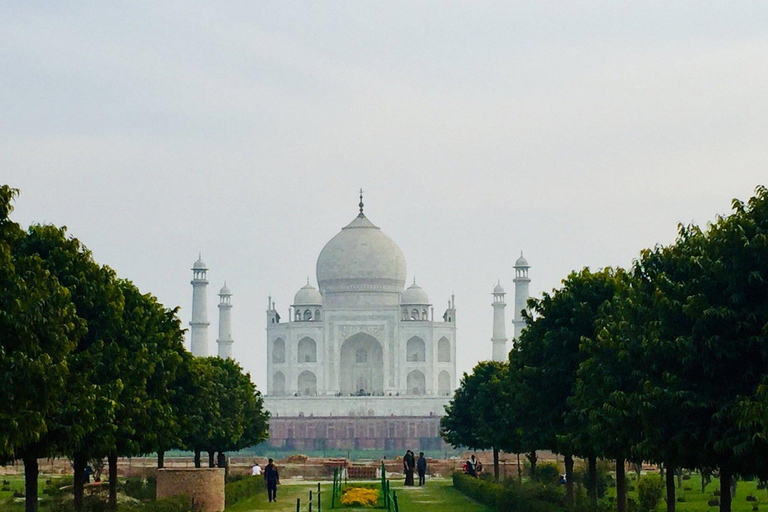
(479, 414)
(548, 356)
(38, 330)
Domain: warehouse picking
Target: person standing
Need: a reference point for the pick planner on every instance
(272, 477)
(409, 464)
(421, 467)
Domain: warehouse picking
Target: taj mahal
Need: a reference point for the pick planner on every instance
(360, 361)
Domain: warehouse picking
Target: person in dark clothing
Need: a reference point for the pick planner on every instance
(272, 477)
(472, 466)
(409, 464)
(421, 467)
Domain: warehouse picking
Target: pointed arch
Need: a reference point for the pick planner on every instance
(307, 350)
(307, 383)
(415, 350)
(443, 350)
(416, 383)
(278, 351)
(278, 384)
(444, 383)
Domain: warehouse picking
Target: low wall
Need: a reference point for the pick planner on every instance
(205, 486)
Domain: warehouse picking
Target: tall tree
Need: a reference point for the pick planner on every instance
(38, 330)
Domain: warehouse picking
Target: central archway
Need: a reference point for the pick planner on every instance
(362, 366)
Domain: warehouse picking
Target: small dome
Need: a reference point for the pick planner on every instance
(498, 289)
(224, 290)
(415, 295)
(521, 262)
(199, 264)
(308, 296)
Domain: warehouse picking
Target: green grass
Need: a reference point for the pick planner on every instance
(696, 501)
(437, 496)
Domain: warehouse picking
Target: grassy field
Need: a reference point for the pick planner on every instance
(696, 501)
(437, 495)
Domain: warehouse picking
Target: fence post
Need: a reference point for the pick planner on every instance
(394, 498)
(310, 500)
(319, 498)
(298, 504)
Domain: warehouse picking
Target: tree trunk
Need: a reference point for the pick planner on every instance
(79, 463)
(679, 473)
(532, 459)
(160, 459)
(592, 480)
(725, 490)
(670, 481)
(621, 485)
(569, 479)
(31, 471)
(211, 463)
(112, 461)
(496, 464)
(519, 469)
(197, 458)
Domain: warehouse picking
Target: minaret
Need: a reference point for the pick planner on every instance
(521, 293)
(499, 338)
(199, 323)
(225, 323)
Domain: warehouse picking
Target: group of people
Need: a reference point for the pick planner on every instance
(271, 475)
(410, 463)
(473, 467)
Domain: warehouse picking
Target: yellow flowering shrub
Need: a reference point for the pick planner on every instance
(360, 496)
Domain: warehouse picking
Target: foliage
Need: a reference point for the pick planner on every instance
(511, 496)
(360, 496)
(244, 487)
(548, 473)
(649, 492)
(143, 489)
(172, 504)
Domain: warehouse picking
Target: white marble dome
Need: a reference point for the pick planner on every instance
(308, 296)
(361, 258)
(415, 295)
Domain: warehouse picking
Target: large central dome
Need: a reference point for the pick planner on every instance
(361, 259)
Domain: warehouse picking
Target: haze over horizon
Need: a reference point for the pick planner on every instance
(579, 133)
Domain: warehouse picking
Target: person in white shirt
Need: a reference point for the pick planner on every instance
(256, 470)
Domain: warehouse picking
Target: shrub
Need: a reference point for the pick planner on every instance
(717, 492)
(751, 498)
(511, 496)
(360, 496)
(650, 489)
(686, 477)
(714, 502)
(754, 507)
(687, 488)
(681, 499)
(172, 504)
(547, 473)
(140, 489)
(244, 488)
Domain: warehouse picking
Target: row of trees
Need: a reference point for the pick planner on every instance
(665, 362)
(93, 368)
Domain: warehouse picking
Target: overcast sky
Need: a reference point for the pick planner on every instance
(577, 132)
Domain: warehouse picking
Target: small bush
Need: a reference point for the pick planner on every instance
(173, 504)
(686, 477)
(687, 488)
(547, 473)
(649, 492)
(754, 507)
(140, 489)
(714, 502)
(511, 496)
(681, 499)
(717, 492)
(751, 498)
(244, 488)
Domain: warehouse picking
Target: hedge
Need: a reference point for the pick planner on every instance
(244, 487)
(511, 496)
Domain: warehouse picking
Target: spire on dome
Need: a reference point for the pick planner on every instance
(361, 214)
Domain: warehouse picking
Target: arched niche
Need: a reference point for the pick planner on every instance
(415, 350)
(278, 384)
(307, 383)
(443, 350)
(362, 366)
(307, 315)
(416, 383)
(307, 351)
(278, 351)
(444, 383)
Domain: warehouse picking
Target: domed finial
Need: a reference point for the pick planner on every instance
(361, 204)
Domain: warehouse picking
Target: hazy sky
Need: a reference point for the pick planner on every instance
(577, 132)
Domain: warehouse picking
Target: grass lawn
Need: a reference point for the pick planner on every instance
(696, 501)
(437, 495)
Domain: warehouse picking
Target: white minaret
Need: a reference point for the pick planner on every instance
(225, 323)
(199, 323)
(499, 338)
(521, 293)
